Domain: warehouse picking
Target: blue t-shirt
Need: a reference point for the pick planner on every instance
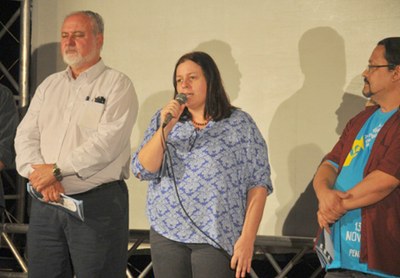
(214, 168)
(346, 232)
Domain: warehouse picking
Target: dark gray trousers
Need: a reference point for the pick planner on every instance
(173, 259)
(60, 245)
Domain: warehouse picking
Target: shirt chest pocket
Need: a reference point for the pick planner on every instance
(90, 114)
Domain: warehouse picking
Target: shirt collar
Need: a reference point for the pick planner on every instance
(90, 74)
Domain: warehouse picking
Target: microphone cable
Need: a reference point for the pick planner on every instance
(166, 149)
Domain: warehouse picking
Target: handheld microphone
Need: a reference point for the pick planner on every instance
(181, 98)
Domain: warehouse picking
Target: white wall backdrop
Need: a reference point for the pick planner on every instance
(295, 66)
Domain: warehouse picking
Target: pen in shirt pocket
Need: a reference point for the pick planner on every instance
(101, 100)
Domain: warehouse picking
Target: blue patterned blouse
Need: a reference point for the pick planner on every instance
(214, 168)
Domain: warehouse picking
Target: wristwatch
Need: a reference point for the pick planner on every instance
(57, 172)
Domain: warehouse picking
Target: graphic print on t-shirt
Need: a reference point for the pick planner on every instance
(358, 146)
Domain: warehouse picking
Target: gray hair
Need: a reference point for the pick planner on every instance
(96, 19)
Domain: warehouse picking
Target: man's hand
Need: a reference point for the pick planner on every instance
(331, 207)
(52, 192)
(42, 176)
(242, 255)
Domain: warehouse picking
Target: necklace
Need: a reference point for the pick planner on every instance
(200, 124)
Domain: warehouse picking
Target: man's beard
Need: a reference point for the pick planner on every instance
(72, 58)
(368, 93)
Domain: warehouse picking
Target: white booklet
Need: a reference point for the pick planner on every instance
(324, 248)
(69, 204)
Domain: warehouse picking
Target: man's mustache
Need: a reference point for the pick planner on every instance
(70, 49)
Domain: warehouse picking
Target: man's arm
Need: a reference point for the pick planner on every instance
(27, 139)
(372, 189)
(330, 201)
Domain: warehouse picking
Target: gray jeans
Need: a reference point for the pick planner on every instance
(173, 259)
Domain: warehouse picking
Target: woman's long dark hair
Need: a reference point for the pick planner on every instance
(217, 106)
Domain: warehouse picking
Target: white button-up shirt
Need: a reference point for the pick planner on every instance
(84, 125)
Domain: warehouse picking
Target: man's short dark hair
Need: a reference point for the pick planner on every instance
(392, 50)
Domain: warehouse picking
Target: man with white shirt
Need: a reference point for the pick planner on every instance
(75, 139)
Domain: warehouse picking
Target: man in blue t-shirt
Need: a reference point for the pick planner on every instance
(357, 184)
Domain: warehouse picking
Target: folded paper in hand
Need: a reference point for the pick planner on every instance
(66, 203)
(324, 248)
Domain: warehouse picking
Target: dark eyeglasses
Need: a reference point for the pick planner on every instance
(370, 67)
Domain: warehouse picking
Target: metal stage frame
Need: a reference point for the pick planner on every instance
(15, 74)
